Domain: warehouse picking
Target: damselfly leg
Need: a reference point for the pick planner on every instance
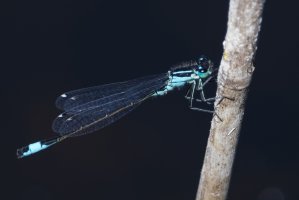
(199, 86)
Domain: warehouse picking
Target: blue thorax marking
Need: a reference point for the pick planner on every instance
(182, 72)
(177, 79)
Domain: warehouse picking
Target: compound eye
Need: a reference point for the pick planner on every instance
(203, 64)
(201, 69)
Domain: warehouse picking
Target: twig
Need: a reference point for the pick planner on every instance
(234, 77)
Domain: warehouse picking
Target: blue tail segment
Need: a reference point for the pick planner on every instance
(36, 147)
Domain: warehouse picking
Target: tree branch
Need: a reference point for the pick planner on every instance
(234, 77)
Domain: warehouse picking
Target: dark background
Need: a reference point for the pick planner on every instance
(156, 152)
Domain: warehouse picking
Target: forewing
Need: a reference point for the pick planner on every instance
(72, 99)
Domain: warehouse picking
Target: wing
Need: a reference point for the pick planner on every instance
(72, 99)
(95, 114)
(90, 114)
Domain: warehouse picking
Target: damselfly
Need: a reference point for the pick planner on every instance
(90, 109)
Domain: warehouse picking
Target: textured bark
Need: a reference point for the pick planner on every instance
(235, 72)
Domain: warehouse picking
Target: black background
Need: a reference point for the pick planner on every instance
(156, 152)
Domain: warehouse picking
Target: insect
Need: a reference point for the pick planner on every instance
(89, 109)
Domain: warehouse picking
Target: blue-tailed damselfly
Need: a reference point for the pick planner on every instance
(90, 109)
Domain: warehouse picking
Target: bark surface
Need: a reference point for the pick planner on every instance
(234, 77)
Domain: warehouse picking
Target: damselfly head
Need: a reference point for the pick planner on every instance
(204, 67)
